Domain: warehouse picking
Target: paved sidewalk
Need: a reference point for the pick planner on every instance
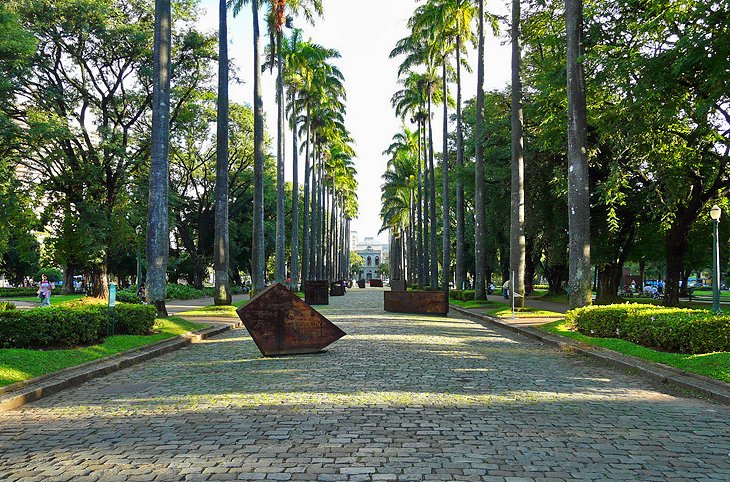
(402, 397)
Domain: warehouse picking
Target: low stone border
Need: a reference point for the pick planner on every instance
(18, 394)
(708, 387)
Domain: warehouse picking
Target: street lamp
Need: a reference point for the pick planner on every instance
(138, 230)
(715, 214)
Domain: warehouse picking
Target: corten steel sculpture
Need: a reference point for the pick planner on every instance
(376, 283)
(316, 292)
(427, 302)
(337, 289)
(281, 323)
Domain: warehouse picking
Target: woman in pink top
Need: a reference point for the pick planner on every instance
(44, 291)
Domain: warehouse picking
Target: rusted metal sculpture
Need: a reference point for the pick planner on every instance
(427, 302)
(281, 323)
(337, 289)
(317, 292)
(376, 283)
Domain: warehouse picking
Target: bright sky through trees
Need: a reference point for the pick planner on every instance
(364, 33)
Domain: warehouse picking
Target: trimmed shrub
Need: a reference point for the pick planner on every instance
(135, 319)
(462, 295)
(666, 329)
(7, 305)
(17, 292)
(128, 296)
(73, 324)
(186, 292)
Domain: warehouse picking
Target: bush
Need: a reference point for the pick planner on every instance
(73, 324)
(6, 305)
(17, 292)
(128, 296)
(186, 292)
(462, 295)
(665, 329)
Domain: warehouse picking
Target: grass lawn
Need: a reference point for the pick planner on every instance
(22, 364)
(714, 365)
(226, 311)
(724, 295)
(55, 299)
(503, 310)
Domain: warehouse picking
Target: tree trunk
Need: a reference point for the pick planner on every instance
(460, 221)
(480, 252)
(158, 232)
(68, 280)
(517, 217)
(258, 261)
(676, 243)
(421, 254)
(556, 276)
(579, 232)
(305, 221)
(432, 206)
(609, 281)
(99, 282)
(295, 201)
(221, 255)
(445, 230)
(280, 261)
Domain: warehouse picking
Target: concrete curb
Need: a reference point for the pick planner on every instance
(18, 394)
(705, 386)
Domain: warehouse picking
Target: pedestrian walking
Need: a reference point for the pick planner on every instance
(44, 291)
(505, 290)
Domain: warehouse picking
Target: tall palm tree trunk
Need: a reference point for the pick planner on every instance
(421, 254)
(259, 235)
(158, 232)
(579, 213)
(517, 217)
(460, 220)
(280, 261)
(445, 230)
(480, 251)
(295, 200)
(432, 204)
(221, 255)
(305, 223)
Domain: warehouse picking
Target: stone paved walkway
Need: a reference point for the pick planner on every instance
(405, 398)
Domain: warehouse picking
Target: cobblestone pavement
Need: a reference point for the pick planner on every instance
(401, 397)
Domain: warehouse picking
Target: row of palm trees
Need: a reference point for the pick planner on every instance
(440, 31)
(314, 102)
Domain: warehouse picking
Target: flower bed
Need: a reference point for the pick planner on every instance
(666, 329)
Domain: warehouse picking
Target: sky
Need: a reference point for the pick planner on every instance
(364, 33)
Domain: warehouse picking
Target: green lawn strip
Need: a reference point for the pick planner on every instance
(724, 295)
(55, 299)
(22, 364)
(226, 311)
(502, 310)
(714, 365)
(506, 312)
(473, 304)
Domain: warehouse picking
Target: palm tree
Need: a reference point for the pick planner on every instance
(480, 252)
(579, 233)
(158, 232)
(222, 294)
(258, 259)
(517, 217)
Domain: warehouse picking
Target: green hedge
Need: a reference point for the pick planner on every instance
(462, 295)
(7, 305)
(661, 328)
(72, 324)
(17, 292)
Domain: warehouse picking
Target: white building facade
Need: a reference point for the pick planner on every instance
(374, 254)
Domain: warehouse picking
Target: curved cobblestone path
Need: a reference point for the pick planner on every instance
(400, 398)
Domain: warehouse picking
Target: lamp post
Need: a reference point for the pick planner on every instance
(715, 214)
(139, 257)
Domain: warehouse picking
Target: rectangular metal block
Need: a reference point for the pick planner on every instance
(316, 292)
(376, 283)
(426, 302)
